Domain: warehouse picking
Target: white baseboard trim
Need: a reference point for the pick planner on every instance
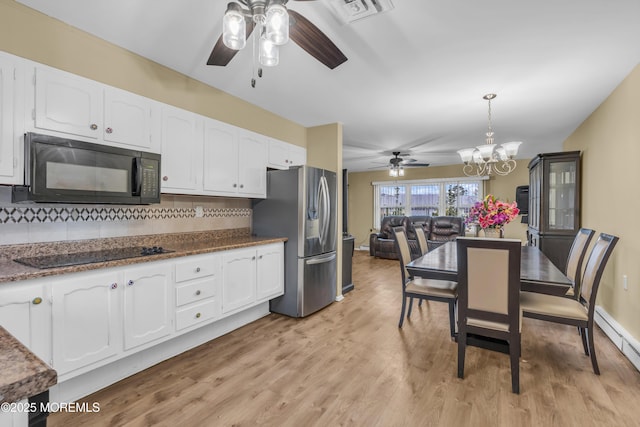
(362, 248)
(628, 345)
(339, 298)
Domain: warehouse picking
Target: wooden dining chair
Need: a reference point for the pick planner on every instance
(417, 287)
(576, 312)
(488, 297)
(577, 253)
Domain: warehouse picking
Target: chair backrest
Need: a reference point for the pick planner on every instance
(576, 257)
(421, 237)
(445, 228)
(404, 252)
(489, 282)
(595, 267)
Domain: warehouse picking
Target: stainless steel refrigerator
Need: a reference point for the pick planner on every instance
(301, 205)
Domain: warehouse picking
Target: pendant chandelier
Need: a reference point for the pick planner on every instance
(488, 159)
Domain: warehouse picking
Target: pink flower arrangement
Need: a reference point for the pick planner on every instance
(492, 213)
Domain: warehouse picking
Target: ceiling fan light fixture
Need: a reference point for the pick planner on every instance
(234, 27)
(277, 23)
(269, 52)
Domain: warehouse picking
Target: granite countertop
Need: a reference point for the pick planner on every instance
(22, 373)
(183, 244)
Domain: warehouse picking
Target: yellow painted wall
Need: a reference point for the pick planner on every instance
(324, 150)
(32, 35)
(361, 195)
(610, 143)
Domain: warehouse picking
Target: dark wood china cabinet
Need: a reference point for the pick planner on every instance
(554, 204)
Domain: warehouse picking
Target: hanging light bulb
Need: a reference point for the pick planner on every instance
(269, 53)
(277, 23)
(234, 27)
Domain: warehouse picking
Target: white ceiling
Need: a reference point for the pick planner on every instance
(415, 75)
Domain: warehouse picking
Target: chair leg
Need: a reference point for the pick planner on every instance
(583, 336)
(462, 344)
(404, 305)
(410, 307)
(514, 353)
(452, 318)
(420, 303)
(592, 349)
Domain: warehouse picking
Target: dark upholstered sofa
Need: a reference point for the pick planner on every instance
(438, 229)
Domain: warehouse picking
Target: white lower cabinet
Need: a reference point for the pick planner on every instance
(252, 275)
(146, 303)
(25, 312)
(86, 320)
(197, 291)
(269, 272)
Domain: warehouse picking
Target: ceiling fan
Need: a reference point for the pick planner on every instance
(243, 15)
(397, 165)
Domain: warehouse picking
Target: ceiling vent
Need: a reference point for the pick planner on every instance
(354, 10)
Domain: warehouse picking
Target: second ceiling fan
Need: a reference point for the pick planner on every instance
(276, 24)
(397, 164)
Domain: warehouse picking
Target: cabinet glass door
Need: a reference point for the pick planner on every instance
(562, 195)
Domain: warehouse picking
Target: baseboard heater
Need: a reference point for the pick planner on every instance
(627, 344)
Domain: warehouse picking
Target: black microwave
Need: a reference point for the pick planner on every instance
(60, 170)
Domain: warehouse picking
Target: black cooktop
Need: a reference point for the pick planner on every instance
(78, 258)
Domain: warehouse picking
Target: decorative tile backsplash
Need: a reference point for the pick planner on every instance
(37, 214)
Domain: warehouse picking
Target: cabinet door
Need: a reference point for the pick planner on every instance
(297, 155)
(67, 103)
(147, 311)
(252, 165)
(7, 148)
(220, 158)
(26, 314)
(127, 119)
(86, 321)
(270, 272)
(278, 154)
(181, 150)
(238, 279)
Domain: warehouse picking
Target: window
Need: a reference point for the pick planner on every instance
(430, 197)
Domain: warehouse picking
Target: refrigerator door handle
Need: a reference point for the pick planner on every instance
(326, 208)
(320, 260)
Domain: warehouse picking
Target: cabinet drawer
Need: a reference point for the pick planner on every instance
(195, 268)
(196, 291)
(198, 313)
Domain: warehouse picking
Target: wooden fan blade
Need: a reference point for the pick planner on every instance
(315, 42)
(221, 55)
(417, 165)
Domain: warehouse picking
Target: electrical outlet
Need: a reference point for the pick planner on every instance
(624, 282)
(199, 211)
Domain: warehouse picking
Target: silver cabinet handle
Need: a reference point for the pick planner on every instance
(93, 126)
(197, 269)
(36, 300)
(130, 283)
(241, 186)
(114, 286)
(235, 185)
(198, 315)
(165, 178)
(198, 292)
(108, 130)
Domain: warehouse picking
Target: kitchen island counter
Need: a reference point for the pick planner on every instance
(22, 373)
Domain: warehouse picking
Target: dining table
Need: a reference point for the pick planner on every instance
(537, 272)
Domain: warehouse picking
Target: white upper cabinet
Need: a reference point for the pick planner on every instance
(73, 106)
(282, 155)
(10, 157)
(128, 120)
(252, 164)
(181, 167)
(67, 103)
(220, 158)
(235, 161)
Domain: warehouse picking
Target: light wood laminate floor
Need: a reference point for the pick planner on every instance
(350, 365)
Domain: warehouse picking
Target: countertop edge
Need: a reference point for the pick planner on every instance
(28, 273)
